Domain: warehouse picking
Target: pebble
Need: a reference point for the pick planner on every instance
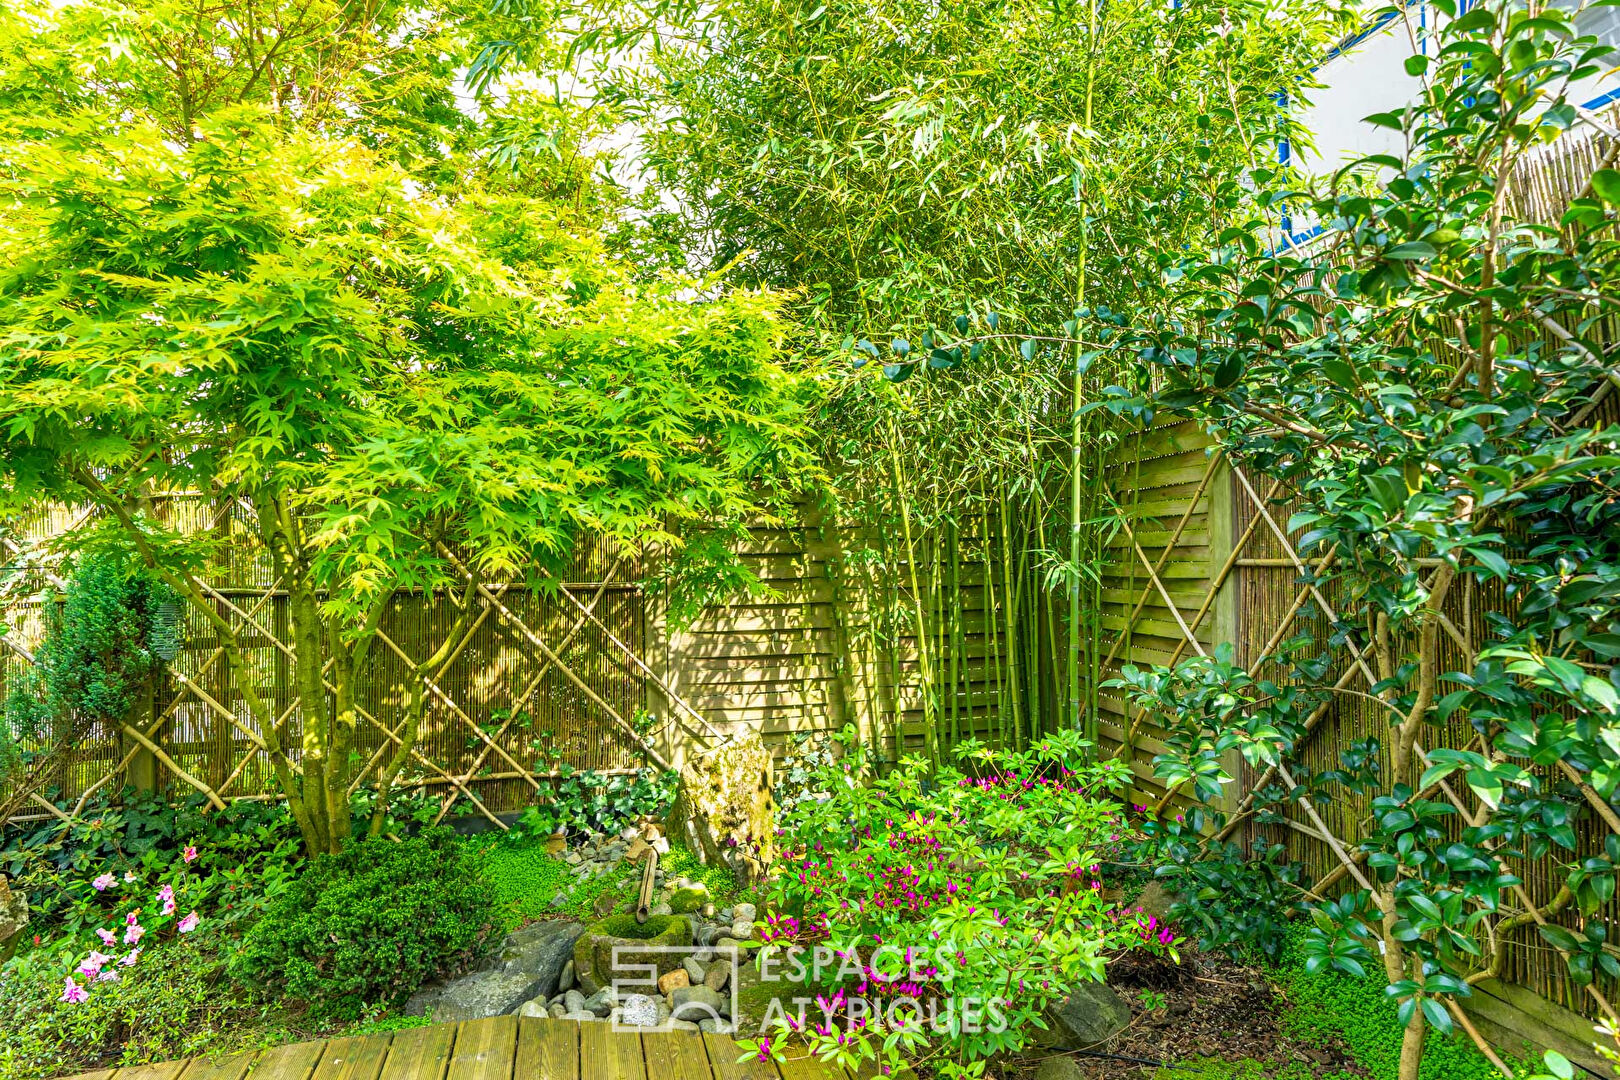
(673, 979)
(744, 913)
(565, 981)
(695, 972)
(639, 1010)
(578, 1016)
(574, 1001)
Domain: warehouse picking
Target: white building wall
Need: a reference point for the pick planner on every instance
(1368, 76)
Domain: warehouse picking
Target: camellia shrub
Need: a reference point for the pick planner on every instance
(374, 923)
(935, 913)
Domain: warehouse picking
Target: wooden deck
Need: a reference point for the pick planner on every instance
(499, 1048)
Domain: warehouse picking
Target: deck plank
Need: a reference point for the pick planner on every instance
(676, 1055)
(485, 1049)
(294, 1061)
(358, 1057)
(158, 1070)
(723, 1055)
(421, 1053)
(228, 1067)
(547, 1050)
(605, 1054)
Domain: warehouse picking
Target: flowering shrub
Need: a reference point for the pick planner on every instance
(374, 923)
(940, 912)
(71, 1002)
(249, 856)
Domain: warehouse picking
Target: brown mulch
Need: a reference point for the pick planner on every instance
(1212, 1008)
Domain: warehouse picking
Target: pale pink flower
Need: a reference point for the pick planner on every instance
(129, 876)
(103, 883)
(129, 961)
(168, 907)
(133, 935)
(165, 894)
(93, 964)
(73, 993)
(190, 854)
(108, 937)
(107, 976)
(188, 924)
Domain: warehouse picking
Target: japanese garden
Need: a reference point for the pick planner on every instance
(809, 540)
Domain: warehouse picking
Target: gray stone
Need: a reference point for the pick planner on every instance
(724, 945)
(1154, 900)
(601, 1003)
(694, 970)
(574, 1001)
(421, 1003)
(743, 913)
(639, 1010)
(579, 1016)
(573, 858)
(485, 993)
(537, 1008)
(714, 1027)
(718, 975)
(703, 956)
(557, 1012)
(696, 1002)
(543, 955)
(681, 1025)
(661, 909)
(1059, 1067)
(725, 914)
(1090, 1015)
(742, 931)
(565, 979)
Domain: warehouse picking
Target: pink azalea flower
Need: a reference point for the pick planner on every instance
(73, 993)
(129, 875)
(168, 907)
(188, 924)
(129, 961)
(103, 883)
(190, 854)
(107, 976)
(93, 964)
(108, 937)
(166, 894)
(133, 935)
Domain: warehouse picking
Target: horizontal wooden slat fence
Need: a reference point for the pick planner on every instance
(1204, 556)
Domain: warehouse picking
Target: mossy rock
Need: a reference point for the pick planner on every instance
(686, 901)
(594, 951)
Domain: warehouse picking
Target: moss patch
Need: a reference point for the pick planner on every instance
(686, 901)
(625, 926)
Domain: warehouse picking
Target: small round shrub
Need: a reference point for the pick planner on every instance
(374, 923)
